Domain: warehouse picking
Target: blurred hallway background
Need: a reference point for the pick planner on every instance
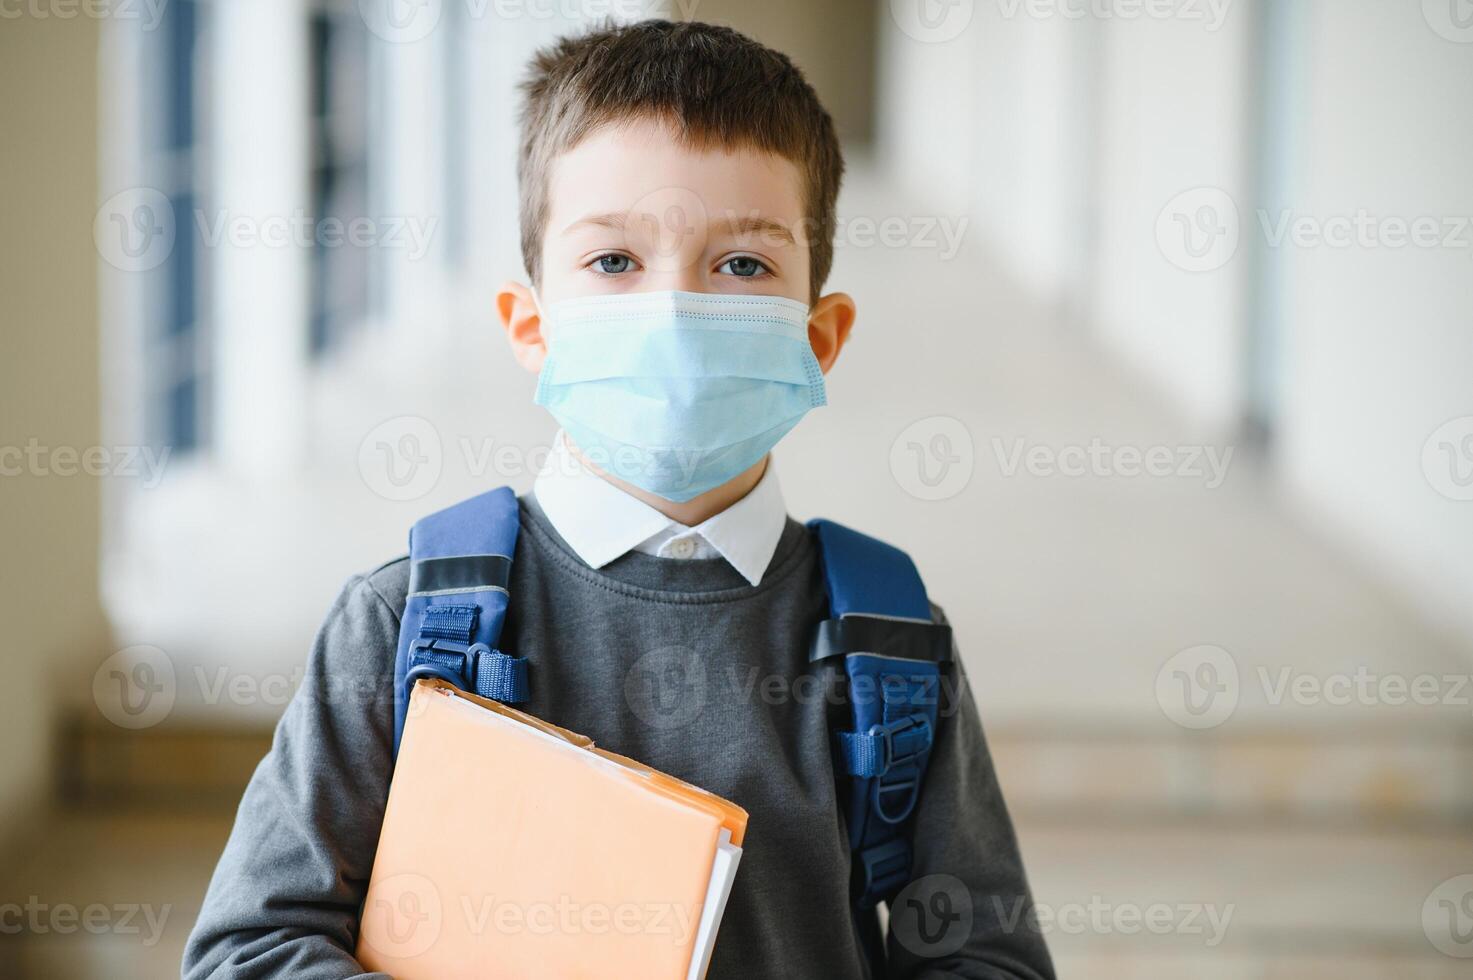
(1163, 373)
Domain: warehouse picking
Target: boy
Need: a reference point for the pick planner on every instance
(672, 176)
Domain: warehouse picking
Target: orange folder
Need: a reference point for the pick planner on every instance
(514, 848)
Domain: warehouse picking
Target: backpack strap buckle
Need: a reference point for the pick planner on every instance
(444, 649)
(885, 746)
(470, 667)
(432, 656)
(893, 755)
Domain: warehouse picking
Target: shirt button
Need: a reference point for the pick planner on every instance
(682, 547)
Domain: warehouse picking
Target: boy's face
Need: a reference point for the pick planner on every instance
(632, 209)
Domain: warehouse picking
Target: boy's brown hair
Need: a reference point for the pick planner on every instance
(713, 85)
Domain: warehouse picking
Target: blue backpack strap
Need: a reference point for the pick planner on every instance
(892, 656)
(459, 570)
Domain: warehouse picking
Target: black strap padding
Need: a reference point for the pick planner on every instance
(463, 573)
(905, 639)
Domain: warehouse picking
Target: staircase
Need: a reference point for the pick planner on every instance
(1265, 855)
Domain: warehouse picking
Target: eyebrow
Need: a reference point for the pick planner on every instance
(753, 225)
(749, 225)
(610, 219)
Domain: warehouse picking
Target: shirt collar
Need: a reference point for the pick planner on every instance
(600, 522)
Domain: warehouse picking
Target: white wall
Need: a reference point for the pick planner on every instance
(1175, 118)
(927, 87)
(1065, 137)
(1378, 349)
(1036, 101)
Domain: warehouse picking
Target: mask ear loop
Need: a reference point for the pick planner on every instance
(562, 448)
(537, 302)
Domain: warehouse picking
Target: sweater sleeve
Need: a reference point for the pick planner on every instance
(284, 900)
(967, 911)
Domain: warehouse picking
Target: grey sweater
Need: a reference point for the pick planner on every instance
(682, 665)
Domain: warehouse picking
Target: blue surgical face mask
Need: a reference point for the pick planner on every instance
(677, 392)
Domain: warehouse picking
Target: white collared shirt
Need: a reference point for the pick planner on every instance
(600, 522)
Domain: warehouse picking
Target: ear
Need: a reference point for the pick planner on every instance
(518, 312)
(829, 323)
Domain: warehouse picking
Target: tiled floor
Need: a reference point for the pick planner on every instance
(109, 896)
(1246, 904)
(1243, 903)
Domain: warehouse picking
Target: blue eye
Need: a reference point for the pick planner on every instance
(743, 266)
(613, 264)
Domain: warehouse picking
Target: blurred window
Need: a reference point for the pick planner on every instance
(342, 274)
(177, 336)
